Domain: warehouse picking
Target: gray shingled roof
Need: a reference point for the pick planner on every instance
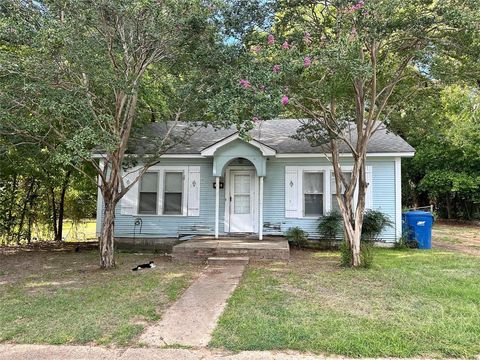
(276, 134)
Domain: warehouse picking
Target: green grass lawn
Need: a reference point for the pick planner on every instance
(411, 303)
(80, 231)
(63, 298)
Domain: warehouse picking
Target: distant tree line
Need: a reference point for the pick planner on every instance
(36, 197)
(443, 124)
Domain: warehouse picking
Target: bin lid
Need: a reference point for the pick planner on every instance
(418, 213)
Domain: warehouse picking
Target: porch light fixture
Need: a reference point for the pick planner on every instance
(220, 185)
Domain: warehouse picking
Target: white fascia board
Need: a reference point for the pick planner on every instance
(164, 156)
(318, 155)
(210, 150)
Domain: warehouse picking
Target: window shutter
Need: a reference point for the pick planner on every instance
(193, 191)
(129, 201)
(291, 192)
(369, 193)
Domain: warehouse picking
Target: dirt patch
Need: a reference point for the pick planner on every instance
(460, 237)
(63, 269)
(49, 246)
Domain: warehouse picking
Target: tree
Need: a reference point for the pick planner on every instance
(338, 64)
(442, 124)
(78, 72)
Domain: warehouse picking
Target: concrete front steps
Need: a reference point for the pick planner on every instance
(233, 260)
(201, 249)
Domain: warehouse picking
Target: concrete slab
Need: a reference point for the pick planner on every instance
(65, 352)
(191, 320)
(200, 249)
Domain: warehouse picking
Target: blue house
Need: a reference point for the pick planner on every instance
(218, 184)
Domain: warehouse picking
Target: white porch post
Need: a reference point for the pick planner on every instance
(217, 204)
(398, 198)
(260, 212)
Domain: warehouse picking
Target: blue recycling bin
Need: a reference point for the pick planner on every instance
(417, 225)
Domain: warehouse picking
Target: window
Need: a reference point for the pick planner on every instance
(148, 193)
(333, 188)
(313, 193)
(241, 194)
(173, 193)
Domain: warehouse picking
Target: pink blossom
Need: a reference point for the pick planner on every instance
(255, 119)
(271, 39)
(285, 100)
(356, 7)
(307, 61)
(257, 49)
(286, 45)
(307, 38)
(276, 68)
(245, 83)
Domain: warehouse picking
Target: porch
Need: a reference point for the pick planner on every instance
(203, 249)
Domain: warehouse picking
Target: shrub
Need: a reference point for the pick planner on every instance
(366, 254)
(297, 236)
(374, 222)
(330, 226)
(405, 243)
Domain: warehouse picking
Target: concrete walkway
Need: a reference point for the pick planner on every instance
(191, 319)
(47, 352)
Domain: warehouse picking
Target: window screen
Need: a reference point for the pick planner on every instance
(173, 193)
(241, 193)
(147, 203)
(313, 193)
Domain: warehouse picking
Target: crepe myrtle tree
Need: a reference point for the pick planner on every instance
(81, 77)
(338, 64)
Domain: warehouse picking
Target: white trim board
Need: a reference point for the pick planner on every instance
(319, 155)
(265, 150)
(398, 197)
(280, 156)
(98, 220)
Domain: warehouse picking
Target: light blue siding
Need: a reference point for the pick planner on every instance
(383, 178)
(383, 191)
(162, 226)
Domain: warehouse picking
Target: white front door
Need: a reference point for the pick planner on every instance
(242, 185)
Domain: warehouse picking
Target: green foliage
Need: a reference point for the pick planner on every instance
(442, 123)
(374, 223)
(405, 243)
(366, 254)
(330, 226)
(297, 236)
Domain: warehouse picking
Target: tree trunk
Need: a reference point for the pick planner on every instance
(106, 245)
(54, 212)
(448, 207)
(10, 216)
(24, 210)
(61, 207)
(352, 220)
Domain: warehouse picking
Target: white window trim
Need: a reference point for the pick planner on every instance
(302, 190)
(161, 170)
(139, 192)
(327, 198)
